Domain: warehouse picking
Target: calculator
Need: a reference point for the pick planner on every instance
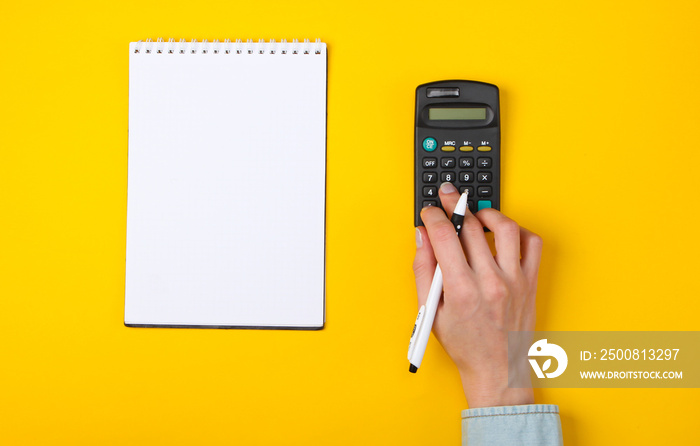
(457, 139)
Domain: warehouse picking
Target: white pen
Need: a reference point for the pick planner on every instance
(426, 314)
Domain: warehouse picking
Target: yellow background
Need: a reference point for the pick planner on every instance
(600, 112)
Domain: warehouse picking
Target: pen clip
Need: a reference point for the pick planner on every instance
(416, 330)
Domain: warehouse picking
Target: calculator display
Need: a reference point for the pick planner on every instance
(457, 114)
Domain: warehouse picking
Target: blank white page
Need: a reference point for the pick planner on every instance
(226, 185)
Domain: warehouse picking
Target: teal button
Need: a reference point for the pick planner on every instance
(429, 144)
(483, 204)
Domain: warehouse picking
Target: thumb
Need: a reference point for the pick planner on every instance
(423, 265)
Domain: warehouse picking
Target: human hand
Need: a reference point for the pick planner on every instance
(484, 296)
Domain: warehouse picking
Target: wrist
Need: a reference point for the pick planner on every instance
(494, 392)
(508, 397)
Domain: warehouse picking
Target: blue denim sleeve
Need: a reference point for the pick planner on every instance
(528, 425)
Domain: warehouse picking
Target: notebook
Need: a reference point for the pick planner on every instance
(226, 184)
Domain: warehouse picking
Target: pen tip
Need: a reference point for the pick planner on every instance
(413, 369)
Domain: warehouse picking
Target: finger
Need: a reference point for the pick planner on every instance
(447, 247)
(531, 252)
(449, 196)
(506, 233)
(477, 250)
(474, 243)
(423, 264)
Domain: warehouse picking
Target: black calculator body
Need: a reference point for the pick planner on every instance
(457, 139)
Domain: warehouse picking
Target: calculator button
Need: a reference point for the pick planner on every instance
(448, 148)
(470, 205)
(484, 148)
(429, 162)
(430, 191)
(466, 162)
(427, 203)
(466, 148)
(466, 177)
(484, 204)
(447, 162)
(430, 177)
(484, 163)
(484, 191)
(469, 189)
(483, 177)
(429, 144)
(448, 176)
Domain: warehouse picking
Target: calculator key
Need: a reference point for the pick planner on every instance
(484, 191)
(429, 144)
(484, 163)
(484, 204)
(429, 163)
(466, 148)
(466, 162)
(448, 148)
(430, 177)
(447, 162)
(430, 191)
(484, 148)
(470, 205)
(483, 177)
(469, 189)
(466, 177)
(427, 203)
(448, 176)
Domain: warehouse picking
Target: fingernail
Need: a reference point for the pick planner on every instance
(419, 239)
(448, 188)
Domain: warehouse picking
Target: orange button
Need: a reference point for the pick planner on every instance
(448, 148)
(466, 148)
(484, 148)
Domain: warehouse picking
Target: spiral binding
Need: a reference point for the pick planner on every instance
(228, 47)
